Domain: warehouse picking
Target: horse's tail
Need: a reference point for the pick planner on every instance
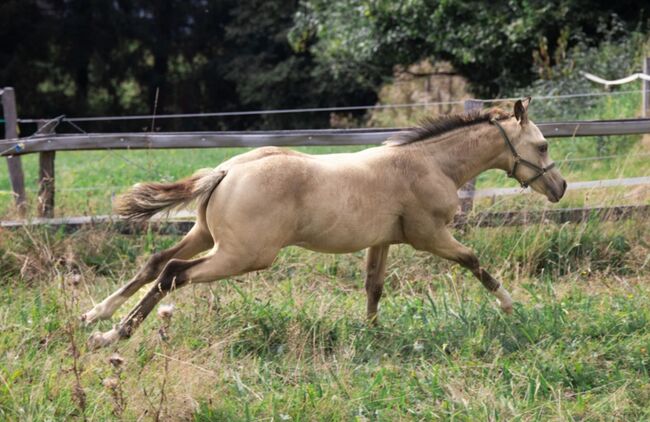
(144, 200)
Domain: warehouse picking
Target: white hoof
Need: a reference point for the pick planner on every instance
(104, 310)
(99, 312)
(99, 340)
(505, 301)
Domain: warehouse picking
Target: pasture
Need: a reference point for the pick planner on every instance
(292, 343)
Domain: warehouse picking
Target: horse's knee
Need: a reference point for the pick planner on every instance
(469, 260)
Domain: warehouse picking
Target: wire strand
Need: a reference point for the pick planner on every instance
(323, 109)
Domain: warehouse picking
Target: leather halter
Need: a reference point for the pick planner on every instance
(541, 171)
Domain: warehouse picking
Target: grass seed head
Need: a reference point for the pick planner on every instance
(166, 311)
(111, 383)
(116, 360)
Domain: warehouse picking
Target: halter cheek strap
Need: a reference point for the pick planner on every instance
(541, 171)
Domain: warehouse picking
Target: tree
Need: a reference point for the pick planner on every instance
(77, 57)
(491, 43)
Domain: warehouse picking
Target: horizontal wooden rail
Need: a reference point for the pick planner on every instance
(483, 219)
(170, 140)
(590, 184)
(558, 216)
(292, 138)
(595, 128)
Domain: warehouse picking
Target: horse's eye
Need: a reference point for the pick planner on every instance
(543, 148)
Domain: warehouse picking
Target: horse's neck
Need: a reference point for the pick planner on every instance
(465, 154)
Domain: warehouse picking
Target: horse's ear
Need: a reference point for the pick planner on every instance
(521, 110)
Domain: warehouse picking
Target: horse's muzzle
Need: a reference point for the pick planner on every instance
(556, 192)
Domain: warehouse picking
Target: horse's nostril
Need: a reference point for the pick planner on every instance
(564, 185)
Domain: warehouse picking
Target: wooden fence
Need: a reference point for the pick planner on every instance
(482, 219)
(46, 143)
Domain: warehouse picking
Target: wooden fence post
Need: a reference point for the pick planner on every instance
(466, 204)
(13, 161)
(646, 88)
(46, 175)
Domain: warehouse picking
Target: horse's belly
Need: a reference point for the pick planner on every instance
(336, 246)
(347, 233)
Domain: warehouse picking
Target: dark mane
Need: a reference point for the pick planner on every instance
(431, 127)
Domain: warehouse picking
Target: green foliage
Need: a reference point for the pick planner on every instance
(492, 46)
(620, 53)
(133, 57)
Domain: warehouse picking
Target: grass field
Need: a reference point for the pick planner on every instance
(291, 342)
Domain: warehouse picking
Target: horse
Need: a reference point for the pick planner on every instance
(404, 191)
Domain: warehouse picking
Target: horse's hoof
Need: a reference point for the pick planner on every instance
(88, 318)
(98, 340)
(92, 316)
(505, 301)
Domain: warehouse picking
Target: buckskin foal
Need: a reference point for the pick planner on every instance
(404, 191)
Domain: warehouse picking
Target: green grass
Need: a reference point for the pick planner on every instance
(291, 343)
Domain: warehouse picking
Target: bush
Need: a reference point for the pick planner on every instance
(618, 55)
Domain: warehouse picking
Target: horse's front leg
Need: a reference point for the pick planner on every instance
(443, 244)
(375, 271)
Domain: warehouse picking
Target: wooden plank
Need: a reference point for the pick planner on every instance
(325, 137)
(646, 89)
(106, 222)
(558, 216)
(591, 184)
(14, 162)
(595, 128)
(483, 219)
(467, 202)
(46, 176)
(102, 141)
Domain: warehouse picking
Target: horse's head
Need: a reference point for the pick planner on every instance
(531, 163)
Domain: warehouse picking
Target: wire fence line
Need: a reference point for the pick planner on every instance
(603, 157)
(53, 121)
(325, 109)
(121, 139)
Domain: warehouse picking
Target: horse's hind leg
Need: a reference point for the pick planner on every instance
(375, 270)
(179, 273)
(197, 240)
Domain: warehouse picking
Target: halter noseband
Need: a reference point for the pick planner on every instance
(541, 171)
